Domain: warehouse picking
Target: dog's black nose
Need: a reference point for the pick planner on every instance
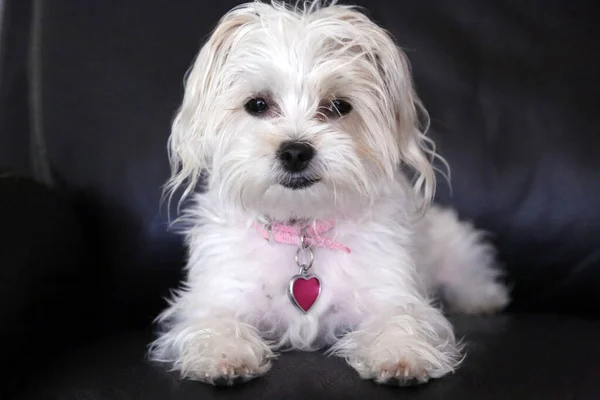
(295, 156)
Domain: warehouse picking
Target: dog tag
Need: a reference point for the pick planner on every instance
(304, 291)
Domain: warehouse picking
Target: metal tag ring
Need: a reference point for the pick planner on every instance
(311, 258)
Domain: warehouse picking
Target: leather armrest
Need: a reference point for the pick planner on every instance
(45, 295)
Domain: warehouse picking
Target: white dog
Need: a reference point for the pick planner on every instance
(308, 234)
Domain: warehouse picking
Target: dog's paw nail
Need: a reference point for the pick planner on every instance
(400, 374)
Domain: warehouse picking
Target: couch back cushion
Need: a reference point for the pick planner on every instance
(511, 87)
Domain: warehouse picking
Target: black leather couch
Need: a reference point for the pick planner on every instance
(87, 94)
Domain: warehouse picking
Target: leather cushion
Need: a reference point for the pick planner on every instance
(517, 357)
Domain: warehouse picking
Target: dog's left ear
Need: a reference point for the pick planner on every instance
(416, 151)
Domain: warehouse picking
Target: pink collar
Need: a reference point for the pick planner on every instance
(290, 234)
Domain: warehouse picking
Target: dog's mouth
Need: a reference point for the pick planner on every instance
(298, 182)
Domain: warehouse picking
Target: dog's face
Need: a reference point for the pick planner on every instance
(298, 113)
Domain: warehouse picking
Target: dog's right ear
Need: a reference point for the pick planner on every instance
(190, 142)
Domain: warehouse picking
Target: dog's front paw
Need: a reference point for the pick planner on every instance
(232, 368)
(403, 361)
(404, 349)
(405, 370)
(226, 360)
(222, 354)
(229, 368)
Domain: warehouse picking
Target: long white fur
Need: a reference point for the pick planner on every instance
(232, 313)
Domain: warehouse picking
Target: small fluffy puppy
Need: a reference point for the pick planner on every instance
(309, 234)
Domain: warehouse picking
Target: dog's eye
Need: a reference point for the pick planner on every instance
(256, 106)
(340, 107)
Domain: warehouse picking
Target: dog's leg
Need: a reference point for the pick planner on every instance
(402, 346)
(214, 349)
(459, 264)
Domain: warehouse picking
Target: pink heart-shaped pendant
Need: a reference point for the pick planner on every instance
(304, 291)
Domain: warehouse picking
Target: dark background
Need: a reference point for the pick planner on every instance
(88, 91)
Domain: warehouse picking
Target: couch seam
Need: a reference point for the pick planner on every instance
(38, 149)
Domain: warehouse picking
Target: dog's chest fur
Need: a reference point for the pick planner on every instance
(235, 266)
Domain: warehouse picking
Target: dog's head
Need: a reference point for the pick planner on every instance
(299, 112)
